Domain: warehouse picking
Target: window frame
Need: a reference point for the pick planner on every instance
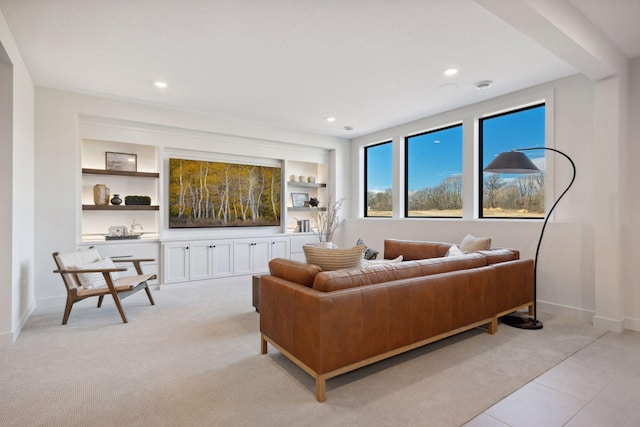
(480, 151)
(459, 124)
(366, 180)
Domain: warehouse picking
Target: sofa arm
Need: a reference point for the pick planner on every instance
(514, 285)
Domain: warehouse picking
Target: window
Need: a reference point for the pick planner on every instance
(378, 180)
(507, 195)
(434, 173)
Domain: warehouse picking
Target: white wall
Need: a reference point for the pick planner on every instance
(17, 189)
(565, 266)
(63, 119)
(632, 229)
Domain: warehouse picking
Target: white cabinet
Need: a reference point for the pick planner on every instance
(197, 260)
(175, 257)
(251, 256)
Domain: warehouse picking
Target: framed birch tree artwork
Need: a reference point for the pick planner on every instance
(217, 194)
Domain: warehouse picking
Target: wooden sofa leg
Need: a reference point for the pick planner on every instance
(531, 311)
(493, 326)
(263, 345)
(321, 389)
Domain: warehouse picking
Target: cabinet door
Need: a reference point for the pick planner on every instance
(242, 257)
(176, 262)
(279, 248)
(261, 254)
(200, 260)
(222, 258)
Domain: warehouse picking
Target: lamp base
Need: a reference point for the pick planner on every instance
(521, 322)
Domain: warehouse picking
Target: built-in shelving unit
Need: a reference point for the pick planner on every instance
(96, 219)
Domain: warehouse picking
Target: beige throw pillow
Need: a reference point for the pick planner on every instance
(475, 244)
(334, 259)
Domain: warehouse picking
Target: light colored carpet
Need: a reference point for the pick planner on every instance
(194, 359)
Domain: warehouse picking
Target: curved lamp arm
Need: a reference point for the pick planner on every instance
(546, 219)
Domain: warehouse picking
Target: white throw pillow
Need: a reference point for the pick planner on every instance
(367, 263)
(475, 244)
(334, 259)
(453, 251)
(96, 280)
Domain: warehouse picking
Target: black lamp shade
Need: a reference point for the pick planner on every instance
(512, 162)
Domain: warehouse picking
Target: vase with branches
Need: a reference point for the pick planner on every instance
(327, 220)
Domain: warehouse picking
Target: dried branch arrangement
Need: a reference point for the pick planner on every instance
(327, 221)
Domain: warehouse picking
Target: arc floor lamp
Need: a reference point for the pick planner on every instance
(516, 162)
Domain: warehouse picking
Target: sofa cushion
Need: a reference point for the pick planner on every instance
(334, 259)
(370, 262)
(500, 255)
(412, 250)
(474, 244)
(96, 280)
(335, 280)
(294, 271)
(453, 251)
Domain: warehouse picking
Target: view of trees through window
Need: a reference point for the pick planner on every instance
(507, 195)
(378, 179)
(434, 173)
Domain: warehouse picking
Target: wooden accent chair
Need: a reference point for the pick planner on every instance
(86, 275)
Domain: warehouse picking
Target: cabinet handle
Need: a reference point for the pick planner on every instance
(186, 248)
(211, 246)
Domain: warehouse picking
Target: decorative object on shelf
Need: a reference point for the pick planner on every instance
(135, 224)
(298, 200)
(121, 161)
(137, 200)
(117, 231)
(292, 178)
(313, 202)
(327, 221)
(302, 178)
(101, 194)
(120, 232)
(116, 200)
(311, 179)
(303, 226)
(515, 162)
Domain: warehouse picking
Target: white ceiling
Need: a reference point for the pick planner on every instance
(291, 63)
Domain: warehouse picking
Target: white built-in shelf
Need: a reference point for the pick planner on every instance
(120, 207)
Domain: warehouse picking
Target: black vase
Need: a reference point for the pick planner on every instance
(313, 202)
(116, 200)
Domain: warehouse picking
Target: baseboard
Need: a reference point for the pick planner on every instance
(613, 325)
(566, 311)
(632, 324)
(10, 337)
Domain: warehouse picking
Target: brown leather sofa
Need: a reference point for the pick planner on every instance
(332, 322)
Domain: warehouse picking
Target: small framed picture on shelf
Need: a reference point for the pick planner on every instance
(299, 200)
(117, 231)
(121, 162)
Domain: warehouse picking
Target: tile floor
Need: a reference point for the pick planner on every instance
(597, 386)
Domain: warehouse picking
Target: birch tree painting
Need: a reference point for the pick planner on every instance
(215, 194)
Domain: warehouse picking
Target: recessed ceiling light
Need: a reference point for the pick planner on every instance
(451, 72)
(331, 119)
(161, 85)
(484, 85)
